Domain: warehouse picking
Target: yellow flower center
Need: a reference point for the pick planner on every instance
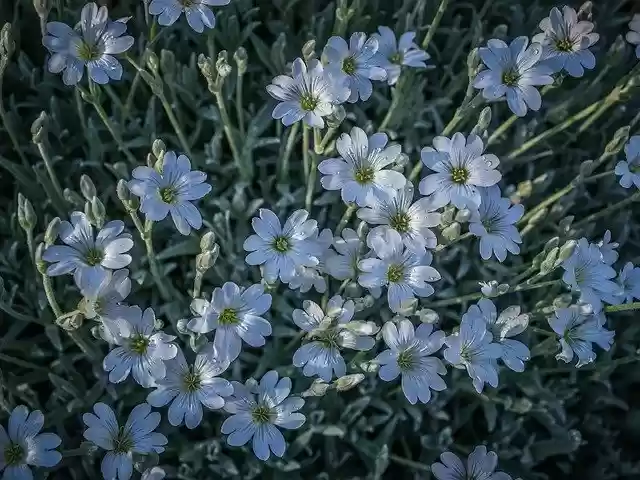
(400, 222)
(228, 317)
(123, 442)
(13, 454)
(349, 66)
(510, 78)
(261, 414)
(88, 52)
(192, 382)
(139, 344)
(405, 361)
(308, 102)
(364, 175)
(459, 175)
(564, 45)
(94, 256)
(397, 58)
(395, 273)
(168, 194)
(281, 244)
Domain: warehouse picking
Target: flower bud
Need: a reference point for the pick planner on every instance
(158, 148)
(152, 61)
(181, 326)
(39, 128)
(548, 264)
(70, 323)
(567, 250)
(40, 264)
(208, 241)
(26, 215)
(619, 139)
(72, 197)
(121, 169)
(551, 244)
(452, 232)
(503, 288)
(586, 11)
(484, 119)
(222, 65)
(309, 50)
(426, 315)
(129, 201)
(337, 116)
(42, 8)
(317, 389)
(87, 187)
(463, 216)
(98, 211)
(7, 44)
(206, 260)
(347, 382)
(240, 57)
(51, 233)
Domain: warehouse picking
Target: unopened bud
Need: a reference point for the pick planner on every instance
(567, 250)
(39, 128)
(87, 187)
(551, 244)
(548, 264)
(463, 215)
(426, 315)
(129, 201)
(207, 241)
(206, 260)
(586, 168)
(70, 323)
(484, 119)
(152, 61)
(26, 215)
(309, 50)
(619, 139)
(40, 264)
(240, 57)
(347, 382)
(181, 326)
(586, 11)
(158, 148)
(98, 211)
(51, 233)
(452, 232)
(42, 8)
(222, 64)
(317, 389)
(337, 116)
(72, 197)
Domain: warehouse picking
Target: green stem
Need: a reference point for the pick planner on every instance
(239, 109)
(434, 24)
(175, 124)
(46, 158)
(51, 297)
(197, 284)
(325, 140)
(477, 296)
(313, 172)
(607, 211)
(462, 237)
(395, 101)
(501, 129)
(622, 308)
(345, 218)
(32, 251)
(283, 171)
(245, 170)
(409, 463)
(10, 131)
(305, 149)
(153, 261)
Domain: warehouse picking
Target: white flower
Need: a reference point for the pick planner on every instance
(472, 348)
(577, 332)
(281, 250)
(608, 249)
(356, 62)
(171, 190)
(235, 314)
(393, 55)
(360, 172)
(86, 256)
(307, 278)
(403, 271)
(308, 95)
(480, 465)
(141, 350)
(633, 35)
(629, 169)
(461, 167)
(343, 263)
(587, 273)
(197, 12)
(188, 387)
(566, 42)
(136, 436)
(410, 356)
(94, 46)
(628, 280)
(410, 219)
(105, 299)
(155, 473)
(257, 411)
(513, 70)
(494, 222)
(23, 445)
(509, 324)
(330, 331)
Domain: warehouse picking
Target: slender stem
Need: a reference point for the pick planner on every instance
(607, 211)
(313, 172)
(326, 139)
(239, 108)
(305, 149)
(477, 296)
(622, 308)
(462, 237)
(51, 296)
(132, 94)
(107, 123)
(153, 261)
(184, 143)
(46, 158)
(30, 247)
(10, 131)
(197, 284)
(283, 171)
(395, 101)
(501, 129)
(434, 24)
(421, 467)
(345, 218)
(245, 170)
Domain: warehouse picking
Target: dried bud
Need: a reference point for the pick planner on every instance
(208, 241)
(98, 212)
(206, 260)
(39, 128)
(158, 148)
(206, 68)
(347, 382)
(317, 389)
(87, 187)
(70, 323)
(51, 233)
(222, 65)
(240, 57)
(40, 264)
(619, 139)
(309, 50)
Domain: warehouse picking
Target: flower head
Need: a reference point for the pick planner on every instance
(282, 250)
(105, 299)
(171, 190)
(94, 46)
(23, 445)
(330, 331)
(628, 281)
(197, 12)
(410, 219)
(566, 41)
(394, 54)
(461, 167)
(307, 278)
(235, 314)
(502, 327)
(189, 387)
(513, 71)
(141, 350)
(608, 248)
(586, 272)
(495, 223)
(121, 442)
(360, 173)
(343, 263)
(480, 465)
(577, 332)
(257, 410)
(356, 62)
(633, 35)
(89, 258)
(410, 356)
(629, 169)
(473, 348)
(404, 272)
